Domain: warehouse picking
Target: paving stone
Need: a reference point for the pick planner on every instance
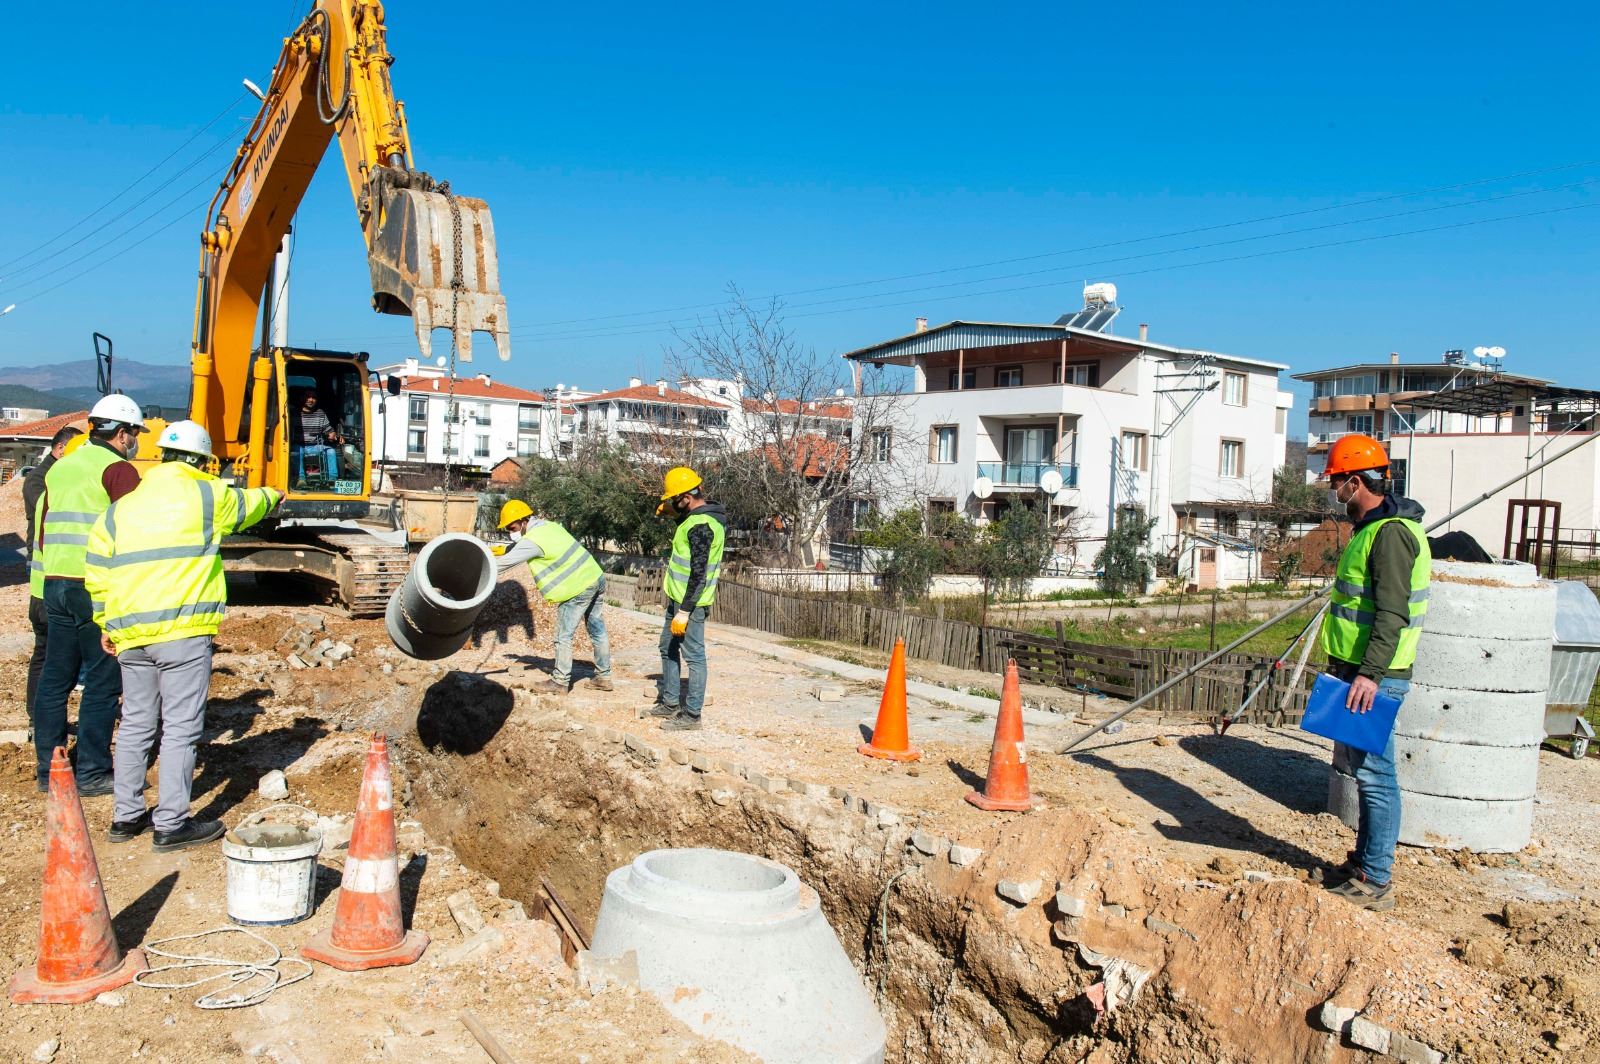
(929, 843)
(1163, 927)
(700, 762)
(642, 748)
(828, 693)
(611, 735)
(484, 942)
(273, 787)
(1404, 1047)
(1369, 1035)
(339, 652)
(770, 784)
(679, 757)
(798, 786)
(466, 913)
(887, 818)
(15, 736)
(297, 662)
(1337, 1018)
(961, 856)
(817, 791)
(1070, 905)
(835, 791)
(1114, 910)
(1019, 892)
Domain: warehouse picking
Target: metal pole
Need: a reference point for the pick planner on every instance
(1291, 610)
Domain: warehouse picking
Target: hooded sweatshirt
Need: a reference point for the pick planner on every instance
(700, 550)
(1394, 552)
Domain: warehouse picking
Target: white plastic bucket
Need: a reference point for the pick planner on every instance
(272, 872)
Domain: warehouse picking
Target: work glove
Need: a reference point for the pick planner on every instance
(498, 549)
(680, 623)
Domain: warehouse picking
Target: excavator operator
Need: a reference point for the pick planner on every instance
(314, 434)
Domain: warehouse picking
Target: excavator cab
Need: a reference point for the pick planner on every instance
(317, 433)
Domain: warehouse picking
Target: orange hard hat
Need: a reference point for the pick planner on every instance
(1355, 453)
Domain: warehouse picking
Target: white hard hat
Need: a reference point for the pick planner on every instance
(118, 409)
(186, 436)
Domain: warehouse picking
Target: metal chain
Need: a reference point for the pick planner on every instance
(457, 286)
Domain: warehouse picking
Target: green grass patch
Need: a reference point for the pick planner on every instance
(983, 692)
(1185, 635)
(1076, 594)
(827, 650)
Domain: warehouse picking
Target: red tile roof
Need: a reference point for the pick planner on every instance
(840, 411)
(468, 388)
(649, 393)
(42, 430)
(817, 454)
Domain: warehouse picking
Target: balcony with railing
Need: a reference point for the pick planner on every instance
(1026, 474)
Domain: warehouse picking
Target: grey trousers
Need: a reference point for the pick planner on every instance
(164, 687)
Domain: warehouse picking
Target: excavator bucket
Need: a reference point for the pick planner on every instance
(435, 259)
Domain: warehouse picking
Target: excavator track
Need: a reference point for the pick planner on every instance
(374, 570)
(359, 572)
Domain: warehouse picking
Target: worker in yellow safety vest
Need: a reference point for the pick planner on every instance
(689, 583)
(77, 490)
(1370, 634)
(38, 620)
(154, 573)
(570, 579)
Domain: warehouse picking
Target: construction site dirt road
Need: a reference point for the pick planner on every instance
(1182, 857)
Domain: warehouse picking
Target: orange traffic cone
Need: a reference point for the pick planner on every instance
(78, 953)
(1007, 786)
(368, 928)
(889, 736)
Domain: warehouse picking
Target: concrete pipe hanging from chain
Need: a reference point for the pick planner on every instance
(431, 615)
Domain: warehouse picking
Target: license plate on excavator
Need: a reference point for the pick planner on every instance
(435, 259)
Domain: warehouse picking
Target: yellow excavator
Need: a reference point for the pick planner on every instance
(431, 253)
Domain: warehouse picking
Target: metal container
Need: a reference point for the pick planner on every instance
(1574, 663)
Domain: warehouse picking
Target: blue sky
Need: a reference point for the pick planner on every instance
(641, 157)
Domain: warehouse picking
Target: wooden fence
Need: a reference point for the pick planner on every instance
(1120, 671)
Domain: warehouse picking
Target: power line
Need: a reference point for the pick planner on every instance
(604, 330)
(128, 187)
(655, 331)
(231, 137)
(1195, 231)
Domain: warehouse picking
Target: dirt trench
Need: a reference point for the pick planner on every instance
(1238, 971)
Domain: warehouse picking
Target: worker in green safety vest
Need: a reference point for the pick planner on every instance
(569, 578)
(689, 583)
(1370, 634)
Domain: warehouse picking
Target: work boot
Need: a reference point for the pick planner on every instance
(601, 683)
(128, 830)
(658, 709)
(681, 722)
(1358, 891)
(548, 687)
(193, 833)
(96, 788)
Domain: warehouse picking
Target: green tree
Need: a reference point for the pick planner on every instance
(1289, 489)
(1125, 562)
(910, 556)
(603, 495)
(1012, 550)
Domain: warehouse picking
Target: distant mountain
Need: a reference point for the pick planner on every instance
(52, 403)
(74, 382)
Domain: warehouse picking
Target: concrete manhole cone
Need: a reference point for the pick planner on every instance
(737, 948)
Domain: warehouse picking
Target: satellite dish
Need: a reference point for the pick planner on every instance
(1480, 351)
(983, 487)
(1497, 352)
(441, 361)
(1050, 481)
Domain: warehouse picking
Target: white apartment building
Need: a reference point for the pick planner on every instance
(1474, 427)
(999, 408)
(646, 416)
(486, 422)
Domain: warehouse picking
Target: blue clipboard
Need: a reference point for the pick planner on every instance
(1326, 715)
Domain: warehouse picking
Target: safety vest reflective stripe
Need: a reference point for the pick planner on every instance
(154, 567)
(192, 611)
(1352, 610)
(74, 497)
(675, 577)
(565, 569)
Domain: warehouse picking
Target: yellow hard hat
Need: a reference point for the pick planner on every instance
(513, 510)
(679, 479)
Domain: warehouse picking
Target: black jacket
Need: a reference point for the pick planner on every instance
(32, 488)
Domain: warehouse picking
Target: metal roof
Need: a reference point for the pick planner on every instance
(973, 335)
(1364, 367)
(1499, 394)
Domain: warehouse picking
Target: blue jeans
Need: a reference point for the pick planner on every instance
(74, 645)
(1378, 797)
(584, 607)
(692, 646)
(330, 460)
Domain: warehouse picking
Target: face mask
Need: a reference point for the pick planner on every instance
(514, 536)
(1352, 507)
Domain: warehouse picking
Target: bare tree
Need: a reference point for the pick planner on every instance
(801, 438)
